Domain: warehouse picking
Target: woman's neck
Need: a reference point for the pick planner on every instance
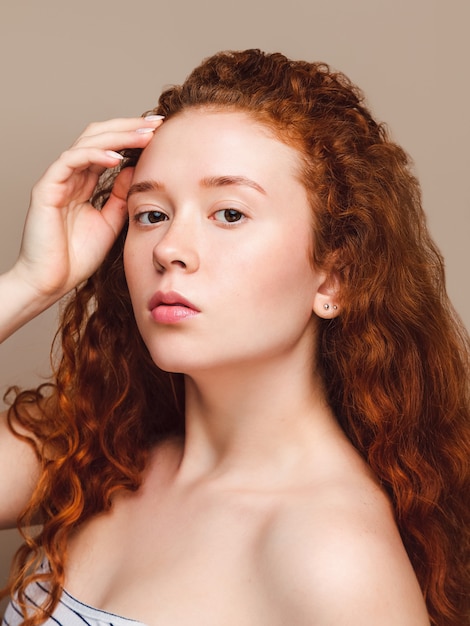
(263, 417)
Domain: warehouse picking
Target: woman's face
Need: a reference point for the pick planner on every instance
(218, 253)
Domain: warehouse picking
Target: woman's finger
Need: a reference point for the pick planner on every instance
(115, 209)
(118, 126)
(98, 156)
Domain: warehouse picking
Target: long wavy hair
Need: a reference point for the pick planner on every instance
(395, 362)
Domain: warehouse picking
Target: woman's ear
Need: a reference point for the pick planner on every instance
(326, 300)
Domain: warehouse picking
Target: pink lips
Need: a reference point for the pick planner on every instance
(171, 307)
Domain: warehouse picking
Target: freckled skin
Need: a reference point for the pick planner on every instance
(244, 275)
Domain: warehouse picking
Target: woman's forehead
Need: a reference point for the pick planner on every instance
(204, 139)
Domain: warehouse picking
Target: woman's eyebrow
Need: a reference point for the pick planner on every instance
(210, 181)
(142, 187)
(223, 181)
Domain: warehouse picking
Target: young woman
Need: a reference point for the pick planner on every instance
(260, 412)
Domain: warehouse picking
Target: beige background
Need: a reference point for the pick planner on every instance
(64, 64)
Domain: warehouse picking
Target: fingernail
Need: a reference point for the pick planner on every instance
(114, 155)
(154, 118)
(145, 130)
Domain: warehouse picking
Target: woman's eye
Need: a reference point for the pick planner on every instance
(229, 216)
(150, 217)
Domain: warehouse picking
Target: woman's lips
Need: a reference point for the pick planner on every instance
(171, 307)
(171, 313)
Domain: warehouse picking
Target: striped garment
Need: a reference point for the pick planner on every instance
(69, 612)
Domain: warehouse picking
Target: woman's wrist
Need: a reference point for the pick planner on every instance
(20, 303)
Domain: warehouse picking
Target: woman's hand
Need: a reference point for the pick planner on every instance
(65, 238)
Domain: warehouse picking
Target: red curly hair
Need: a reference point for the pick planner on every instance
(395, 362)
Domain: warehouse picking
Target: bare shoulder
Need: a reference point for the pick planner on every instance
(19, 472)
(332, 554)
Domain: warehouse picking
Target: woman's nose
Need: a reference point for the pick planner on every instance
(177, 249)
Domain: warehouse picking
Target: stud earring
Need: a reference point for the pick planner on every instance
(326, 306)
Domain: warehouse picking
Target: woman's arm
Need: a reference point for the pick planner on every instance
(18, 475)
(65, 238)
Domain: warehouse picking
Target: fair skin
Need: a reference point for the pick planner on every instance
(265, 514)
